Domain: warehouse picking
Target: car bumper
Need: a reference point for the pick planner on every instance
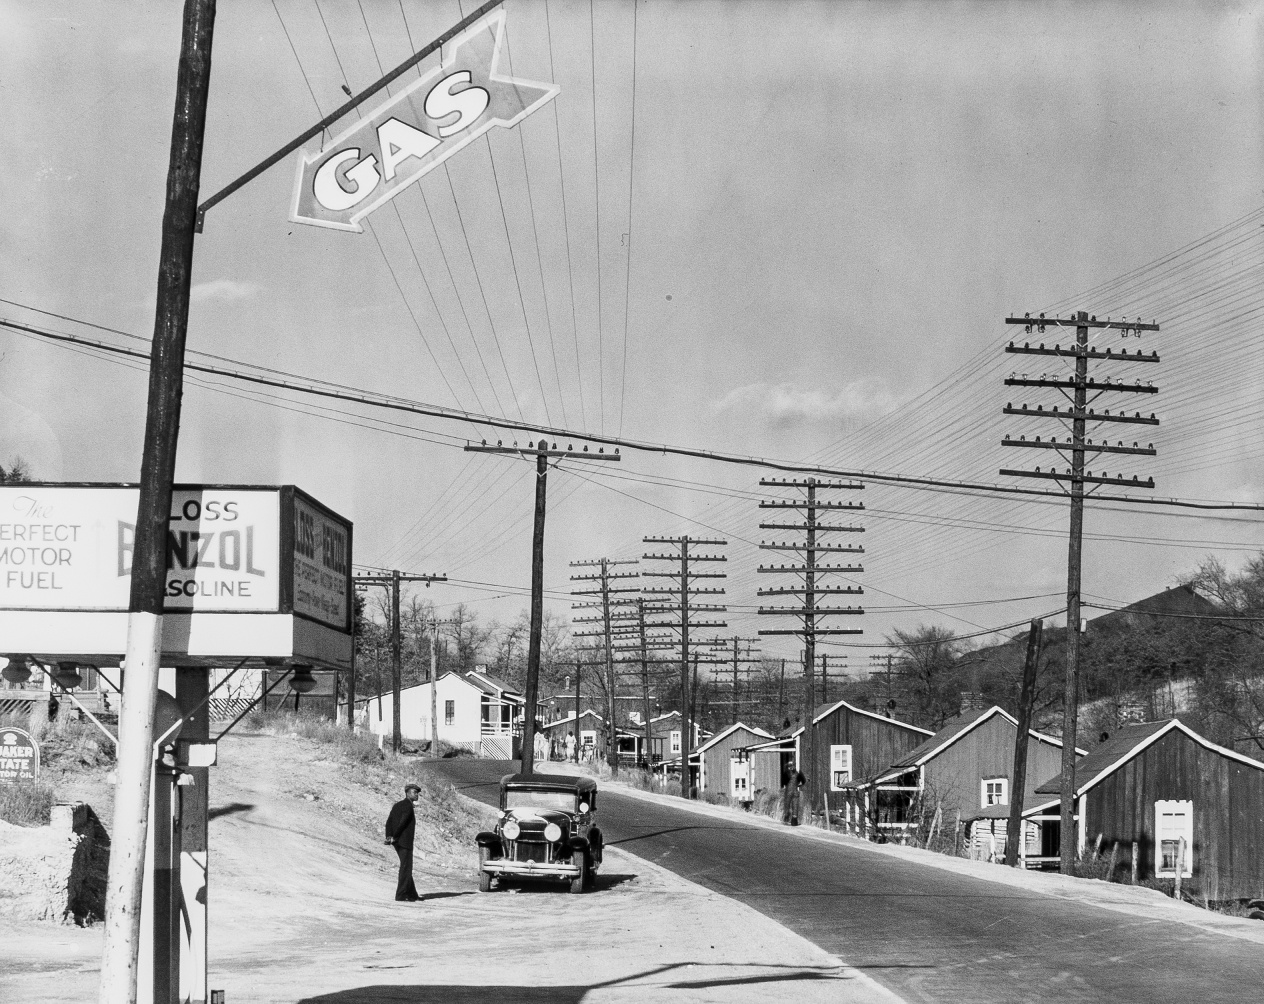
(530, 869)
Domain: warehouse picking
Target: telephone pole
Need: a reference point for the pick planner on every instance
(741, 654)
(632, 627)
(678, 597)
(129, 833)
(542, 451)
(825, 664)
(809, 548)
(1076, 388)
(392, 582)
(605, 591)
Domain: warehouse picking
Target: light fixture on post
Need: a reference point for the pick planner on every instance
(67, 675)
(302, 681)
(18, 670)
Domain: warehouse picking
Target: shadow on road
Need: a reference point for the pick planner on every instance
(449, 994)
(229, 809)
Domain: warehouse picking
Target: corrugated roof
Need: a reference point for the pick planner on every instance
(1114, 749)
(828, 708)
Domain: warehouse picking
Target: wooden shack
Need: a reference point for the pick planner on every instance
(724, 765)
(850, 743)
(962, 771)
(1168, 790)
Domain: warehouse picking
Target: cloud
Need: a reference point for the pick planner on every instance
(784, 404)
(223, 289)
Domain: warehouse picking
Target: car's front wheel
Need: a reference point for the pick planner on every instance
(484, 878)
(580, 881)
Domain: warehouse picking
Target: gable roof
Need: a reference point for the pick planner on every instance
(956, 729)
(491, 684)
(571, 718)
(823, 710)
(1125, 744)
(729, 731)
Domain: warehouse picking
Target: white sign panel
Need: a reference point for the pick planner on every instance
(389, 148)
(66, 548)
(321, 553)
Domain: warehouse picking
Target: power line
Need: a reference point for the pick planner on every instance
(627, 281)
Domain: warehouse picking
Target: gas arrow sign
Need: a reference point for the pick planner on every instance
(416, 131)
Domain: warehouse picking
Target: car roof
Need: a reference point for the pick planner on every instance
(556, 782)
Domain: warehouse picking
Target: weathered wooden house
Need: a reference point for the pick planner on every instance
(850, 743)
(1178, 797)
(723, 764)
(962, 771)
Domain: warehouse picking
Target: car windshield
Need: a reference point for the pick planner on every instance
(516, 798)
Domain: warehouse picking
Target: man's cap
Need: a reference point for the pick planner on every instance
(411, 787)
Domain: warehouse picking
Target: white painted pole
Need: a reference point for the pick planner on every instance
(134, 774)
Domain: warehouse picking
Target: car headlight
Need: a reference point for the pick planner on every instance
(510, 829)
(552, 833)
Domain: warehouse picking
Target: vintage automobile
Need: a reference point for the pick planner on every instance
(546, 830)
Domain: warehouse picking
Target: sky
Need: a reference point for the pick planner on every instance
(787, 230)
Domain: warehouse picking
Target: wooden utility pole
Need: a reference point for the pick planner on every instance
(809, 612)
(665, 601)
(351, 676)
(578, 664)
(393, 581)
(604, 591)
(1076, 388)
(129, 833)
(542, 451)
(1018, 784)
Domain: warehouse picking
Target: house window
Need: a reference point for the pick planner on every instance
(449, 712)
(739, 772)
(1174, 837)
(840, 767)
(675, 742)
(995, 791)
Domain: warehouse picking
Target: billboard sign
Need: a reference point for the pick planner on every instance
(322, 565)
(418, 129)
(19, 757)
(229, 550)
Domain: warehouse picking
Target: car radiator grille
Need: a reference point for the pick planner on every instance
(531, 851)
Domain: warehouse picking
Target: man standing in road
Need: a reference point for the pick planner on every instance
(400, 825)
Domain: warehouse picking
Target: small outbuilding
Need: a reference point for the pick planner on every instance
(850, 743)
(724, 765)
(1178, 799)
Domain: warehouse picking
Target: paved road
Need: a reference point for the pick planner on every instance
(929, 935)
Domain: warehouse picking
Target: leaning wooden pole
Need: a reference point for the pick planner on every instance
(149, 556)
(1027, 696)
(537, 610)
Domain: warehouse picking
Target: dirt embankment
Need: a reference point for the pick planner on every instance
(301, 909)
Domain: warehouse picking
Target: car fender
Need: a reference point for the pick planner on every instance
(489, 840)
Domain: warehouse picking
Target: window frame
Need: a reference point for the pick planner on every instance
(834, 772)
(449, 712)
(1003, 794)
(673, 739)
(1173, 808)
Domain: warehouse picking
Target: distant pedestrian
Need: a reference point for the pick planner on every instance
(400, 825)
(570, 747)
(541, 742)
(791, 781)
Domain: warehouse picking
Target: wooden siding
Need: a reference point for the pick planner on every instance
(1228, 799)
(875, 744)
(954, 777)
(766, 771)
(718, 776)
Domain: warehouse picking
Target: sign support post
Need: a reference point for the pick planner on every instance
(149, 571)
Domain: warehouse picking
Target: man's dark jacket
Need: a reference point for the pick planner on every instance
(401, 823)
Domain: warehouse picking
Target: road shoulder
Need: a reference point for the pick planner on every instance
(1136, 901)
